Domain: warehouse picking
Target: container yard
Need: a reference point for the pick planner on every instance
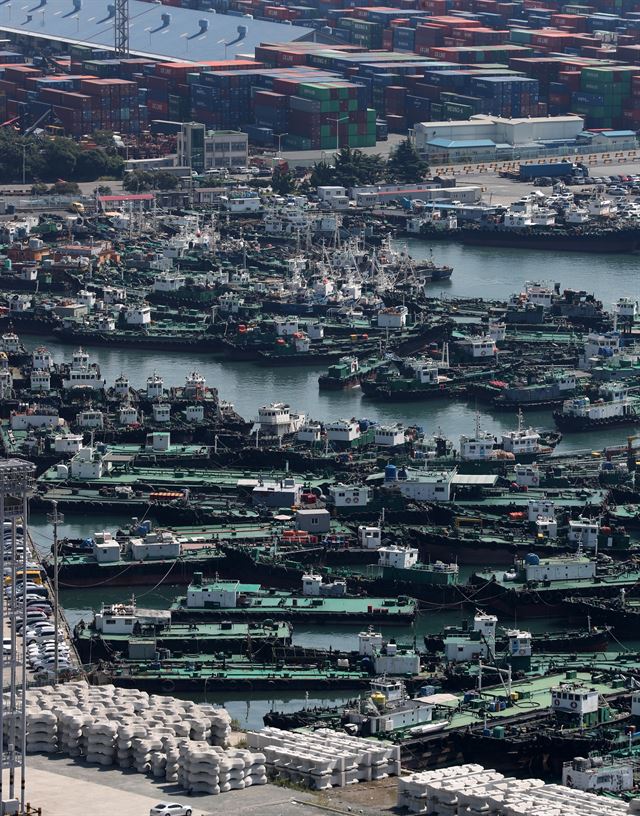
(408, 65)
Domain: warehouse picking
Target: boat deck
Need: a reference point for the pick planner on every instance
(622, 579)
(286, 605)
(203, 632)
(538, 689)
(175, 478)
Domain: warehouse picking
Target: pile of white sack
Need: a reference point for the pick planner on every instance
(324, 759)
(209, 769)
(161, 736)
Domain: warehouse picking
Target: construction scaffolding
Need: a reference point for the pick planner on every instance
(16, 484)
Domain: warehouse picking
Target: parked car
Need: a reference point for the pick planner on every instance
(170, 809)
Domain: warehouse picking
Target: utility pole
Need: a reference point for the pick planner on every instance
(55, 518)
(121, 28)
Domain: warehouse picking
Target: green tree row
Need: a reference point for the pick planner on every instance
(352, 167)
(43, 158)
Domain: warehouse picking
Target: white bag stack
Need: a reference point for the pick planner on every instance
(210, 769)
(42, 732)
(323, 759)
(470, 790)
(70, 724)
(100, 739)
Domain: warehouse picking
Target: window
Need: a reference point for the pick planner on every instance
(238, 146)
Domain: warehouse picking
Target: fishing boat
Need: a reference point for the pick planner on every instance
(612, 409)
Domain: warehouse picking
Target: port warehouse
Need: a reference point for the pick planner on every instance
(326, 75)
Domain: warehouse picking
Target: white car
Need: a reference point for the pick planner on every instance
(170, 809)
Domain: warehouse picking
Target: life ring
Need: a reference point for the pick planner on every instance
(574, 704)
(167, 685)
(347, 501)
(356, 501)
(556, 702)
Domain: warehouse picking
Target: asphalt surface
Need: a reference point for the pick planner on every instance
(496, 190)
(62, 787)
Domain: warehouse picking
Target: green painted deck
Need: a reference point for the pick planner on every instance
(196, 554)
(193, 478)
(130, 449)
(227, 630)
(623, 579)
(286, 603)
(539, 690)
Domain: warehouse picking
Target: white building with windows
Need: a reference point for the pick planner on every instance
(347, 496)
(422, 485)
(202, 149)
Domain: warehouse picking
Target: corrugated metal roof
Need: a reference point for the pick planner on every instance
(461, 143)
(93, 25)
(485, 479)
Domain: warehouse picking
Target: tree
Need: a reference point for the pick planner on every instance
(137, 181)
(39, 188)
(140, 181)
(60, 157)
(62, 187)
(91, 164)
(351, 168)
(282, 182)
(104, 190)
(103, 138)
(165, 181)
(405, 164)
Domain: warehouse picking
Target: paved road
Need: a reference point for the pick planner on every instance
(497, 190)
(63, 787)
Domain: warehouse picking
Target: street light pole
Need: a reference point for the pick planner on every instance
(280, 137)
(337, 121)
(55, 518)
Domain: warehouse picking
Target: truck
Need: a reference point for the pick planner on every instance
(557, 170)
(565, 170)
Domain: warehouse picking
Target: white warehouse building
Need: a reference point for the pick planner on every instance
(489, 137)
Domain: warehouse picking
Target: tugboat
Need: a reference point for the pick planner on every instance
(614, 408)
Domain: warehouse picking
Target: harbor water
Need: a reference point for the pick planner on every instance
(478, 272)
